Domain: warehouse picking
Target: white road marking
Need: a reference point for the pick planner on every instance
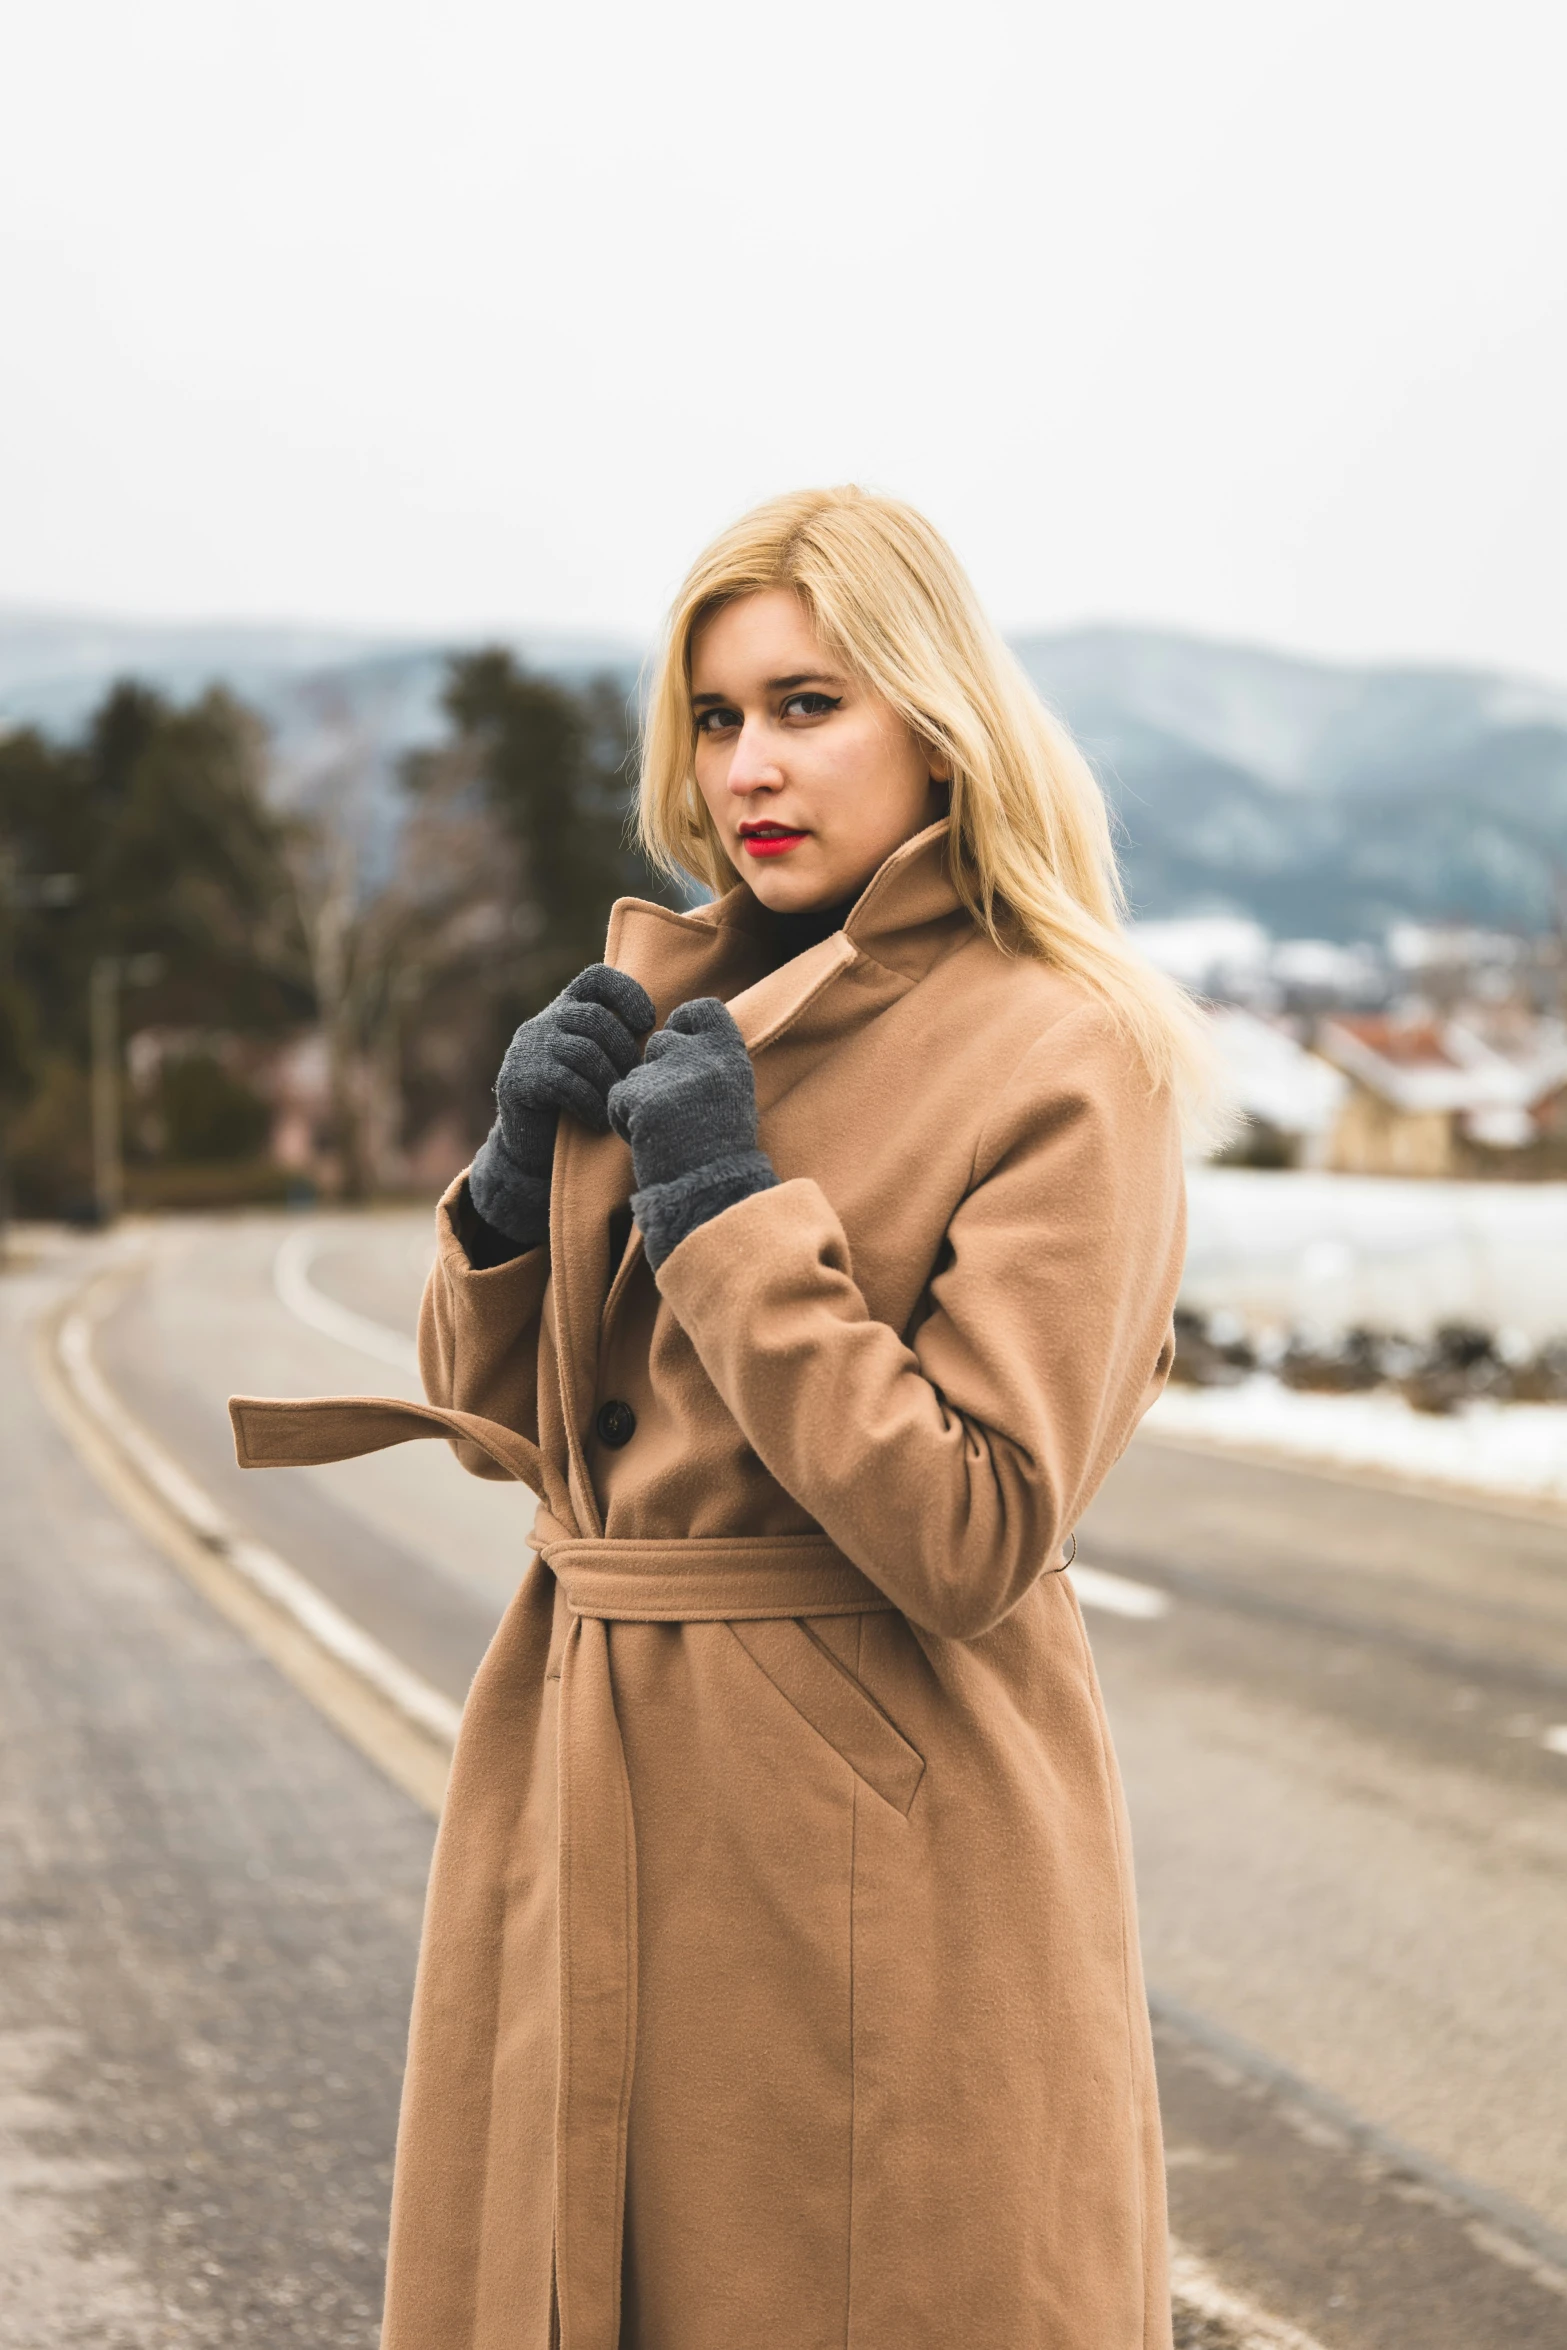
(295, 1289)
(1555, 1739)
(1118, 1595)
(282, 1584)
(1194, 2284)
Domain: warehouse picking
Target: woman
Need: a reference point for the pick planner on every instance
(780, 1984)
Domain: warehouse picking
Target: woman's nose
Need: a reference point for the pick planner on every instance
(753, 767)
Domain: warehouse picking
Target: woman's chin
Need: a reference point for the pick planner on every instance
(784, 891)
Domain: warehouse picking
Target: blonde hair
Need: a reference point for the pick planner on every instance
(1029, 846)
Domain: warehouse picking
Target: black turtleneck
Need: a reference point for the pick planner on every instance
(789, 935)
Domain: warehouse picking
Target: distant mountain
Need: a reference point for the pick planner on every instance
(1321, 800)
(55, 666)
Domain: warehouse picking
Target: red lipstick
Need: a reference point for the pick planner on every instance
(769, 840)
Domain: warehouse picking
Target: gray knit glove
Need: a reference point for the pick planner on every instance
(565, 1058)
(689, 1114)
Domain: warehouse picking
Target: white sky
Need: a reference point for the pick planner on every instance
(1243, 315)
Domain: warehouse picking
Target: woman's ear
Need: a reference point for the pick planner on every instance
(938, 793)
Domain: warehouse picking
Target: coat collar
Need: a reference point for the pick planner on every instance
(907, 916)
(904, 921)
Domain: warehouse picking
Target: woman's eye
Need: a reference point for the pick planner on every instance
(811, 705)
(716, 721)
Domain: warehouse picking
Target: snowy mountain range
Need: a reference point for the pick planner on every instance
(1319, 799)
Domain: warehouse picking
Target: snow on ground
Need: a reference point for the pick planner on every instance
(1504, 1448)
(1305, 1251)
(1328, 1252)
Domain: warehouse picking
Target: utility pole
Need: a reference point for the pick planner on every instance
(103, 1006)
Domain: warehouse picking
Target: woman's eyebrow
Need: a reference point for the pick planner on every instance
(776, 685)
(773, 685)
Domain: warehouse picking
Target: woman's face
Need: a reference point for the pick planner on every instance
(811, 778)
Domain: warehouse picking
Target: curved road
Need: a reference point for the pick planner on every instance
(1351, 1829)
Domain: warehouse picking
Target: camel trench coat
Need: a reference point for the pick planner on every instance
(780, 1985)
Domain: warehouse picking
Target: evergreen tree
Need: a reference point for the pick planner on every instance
(554, 770)
(150, 837)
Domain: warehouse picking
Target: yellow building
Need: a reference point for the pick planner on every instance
(1431, 1097)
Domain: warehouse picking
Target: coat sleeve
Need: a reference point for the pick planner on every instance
(951, 1463)
(479, 1334)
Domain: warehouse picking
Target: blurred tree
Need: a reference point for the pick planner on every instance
(553, 768)
(209, 1115)
(151, 836)
(154, 836)
(48, 1142)
(18, 1057)
(530, 800)
(364, 949)
(18, 1037)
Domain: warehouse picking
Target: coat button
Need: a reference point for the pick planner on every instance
(617, 1424)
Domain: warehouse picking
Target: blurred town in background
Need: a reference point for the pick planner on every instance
(322, 881)
(272, 903)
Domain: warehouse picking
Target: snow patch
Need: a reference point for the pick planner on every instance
(1514, 1448)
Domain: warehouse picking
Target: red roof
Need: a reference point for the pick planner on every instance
(1408, 1044)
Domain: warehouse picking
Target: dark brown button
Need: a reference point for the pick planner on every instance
(617, 1424)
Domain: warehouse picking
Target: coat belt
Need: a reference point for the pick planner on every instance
(754, 1583)
(703, 1579)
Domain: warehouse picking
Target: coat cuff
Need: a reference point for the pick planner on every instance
(668, 1213)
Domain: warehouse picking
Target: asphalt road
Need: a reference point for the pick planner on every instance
(1352, 1859)
(1350, 1835)
(208, 1912)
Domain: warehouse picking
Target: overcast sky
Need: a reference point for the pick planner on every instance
(1240, 315)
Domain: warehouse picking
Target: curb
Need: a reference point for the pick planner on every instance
(396, 1718)
(1230, 2320)
(1508, 1501)
(1496, 2224)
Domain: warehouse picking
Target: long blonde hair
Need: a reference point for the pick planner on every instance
(1029, 843)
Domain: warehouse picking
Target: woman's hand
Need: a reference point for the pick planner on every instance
(567, 1057)
(689, 1113)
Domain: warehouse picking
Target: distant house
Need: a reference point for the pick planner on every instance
(1429, 1096)
(1288, 1101)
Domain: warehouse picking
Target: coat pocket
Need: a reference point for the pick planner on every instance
(837, 1706)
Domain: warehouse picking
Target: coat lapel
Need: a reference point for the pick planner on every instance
(675, 957)
(716, 951)
(592, 1174)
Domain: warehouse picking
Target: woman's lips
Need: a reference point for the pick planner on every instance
(770, 840)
